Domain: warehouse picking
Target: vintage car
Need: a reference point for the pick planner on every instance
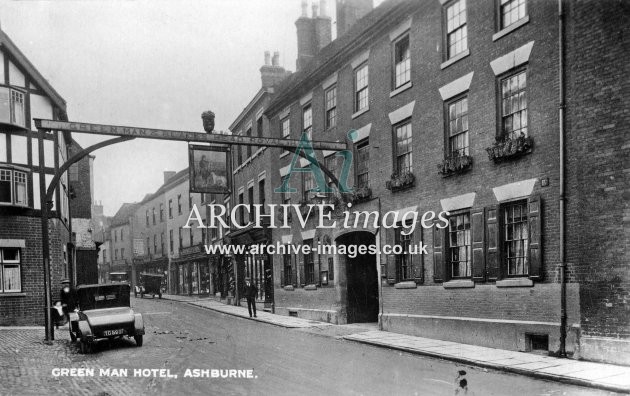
(103, 311)
(149, 284)
(116, 277)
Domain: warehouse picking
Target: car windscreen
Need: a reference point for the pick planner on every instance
(108, 296)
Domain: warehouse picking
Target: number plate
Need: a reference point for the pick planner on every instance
(107, 333)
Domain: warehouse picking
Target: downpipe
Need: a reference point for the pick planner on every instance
(563, 265)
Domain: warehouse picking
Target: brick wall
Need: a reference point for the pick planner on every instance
(81, 205)
(27, 307)
(597, 152)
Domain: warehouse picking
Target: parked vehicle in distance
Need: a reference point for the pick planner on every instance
(149, 284)
(115, 277)
(104, 311)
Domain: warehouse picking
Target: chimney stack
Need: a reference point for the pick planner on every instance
(306, 43)
(313, 33)
(349, 12)
(168, 175)
(271, 73)
(323, 27)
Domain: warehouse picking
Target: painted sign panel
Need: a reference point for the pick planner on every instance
(208, 167)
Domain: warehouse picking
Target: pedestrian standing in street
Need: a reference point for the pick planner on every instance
(250, 292)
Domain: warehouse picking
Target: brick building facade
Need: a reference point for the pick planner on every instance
(456, 107)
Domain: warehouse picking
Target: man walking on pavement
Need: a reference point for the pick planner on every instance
(250, 292)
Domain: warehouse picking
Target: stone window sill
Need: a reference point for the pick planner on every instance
(3, 295)
(406, 285)
(289, 288)
(358, 113)
(310, 287)
(515, 282)
(454, 59)
(400, 89)
(284, 154)
(510, 28)
(459, 284)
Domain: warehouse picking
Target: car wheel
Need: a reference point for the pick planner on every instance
(138, 339)
(160, 295)
(141, 295)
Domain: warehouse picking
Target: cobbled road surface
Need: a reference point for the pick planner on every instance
(284, 361)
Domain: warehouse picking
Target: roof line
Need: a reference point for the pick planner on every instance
(6, 42)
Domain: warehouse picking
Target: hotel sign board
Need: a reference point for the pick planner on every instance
(164, 134)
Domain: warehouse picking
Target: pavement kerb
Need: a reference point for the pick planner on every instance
(476, 363)
(509, 369)
(196, 304)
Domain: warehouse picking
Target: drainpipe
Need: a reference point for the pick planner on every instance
(378, 268)
(563, 264)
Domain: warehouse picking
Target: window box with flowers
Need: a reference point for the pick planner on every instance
(456, 163)
(361, 194)
(507, 148)
(400, 181)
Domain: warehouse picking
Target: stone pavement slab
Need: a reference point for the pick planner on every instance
(262, 316)
(597, 375)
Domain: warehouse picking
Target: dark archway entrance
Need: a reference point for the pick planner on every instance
(362, 279)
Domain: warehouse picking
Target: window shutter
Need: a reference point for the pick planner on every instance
(493, 253)
(478, 245)
(294, 270)
(281, 278)
(390, 259)
(418, 259)
(534, 222)
(438, 253)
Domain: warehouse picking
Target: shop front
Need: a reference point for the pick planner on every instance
(257, 267)
(191, 271)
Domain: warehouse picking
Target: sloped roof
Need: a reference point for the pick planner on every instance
(178, 178)
(126, 211)
(27, 66)
(340, 51)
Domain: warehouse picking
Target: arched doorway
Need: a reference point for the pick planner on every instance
(362, 278)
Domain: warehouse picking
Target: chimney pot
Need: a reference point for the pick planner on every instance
(304, 8)
(322, 8)
(267, 58)
(275, 61)
(315, 6)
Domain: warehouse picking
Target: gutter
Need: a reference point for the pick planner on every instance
(561, 107)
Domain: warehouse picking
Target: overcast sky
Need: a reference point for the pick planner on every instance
(153, 63)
